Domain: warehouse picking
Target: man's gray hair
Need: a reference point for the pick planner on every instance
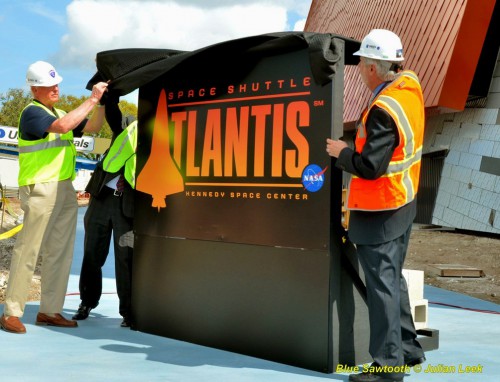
(383, 68)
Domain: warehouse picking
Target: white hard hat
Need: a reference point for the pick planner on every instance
(41, 73)
(381, 44)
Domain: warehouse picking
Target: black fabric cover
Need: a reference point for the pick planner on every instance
(129, 69)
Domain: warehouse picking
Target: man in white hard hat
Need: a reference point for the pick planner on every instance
(385, 167)
(47, 160)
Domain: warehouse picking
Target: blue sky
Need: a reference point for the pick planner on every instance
(69, 33)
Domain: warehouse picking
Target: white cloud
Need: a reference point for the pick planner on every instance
(41, 10)
(299, 25)
(97, 25)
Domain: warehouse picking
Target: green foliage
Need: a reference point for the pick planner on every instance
(14, 101)
(128, 108)
(69, 102)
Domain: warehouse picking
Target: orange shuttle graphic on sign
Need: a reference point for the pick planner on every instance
(160, 176)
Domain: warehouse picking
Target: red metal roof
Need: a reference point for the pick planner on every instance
(442, 41)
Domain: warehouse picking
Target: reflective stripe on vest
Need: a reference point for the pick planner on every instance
(58, 142)
(399, 184)
(409, 152)
(52, 158)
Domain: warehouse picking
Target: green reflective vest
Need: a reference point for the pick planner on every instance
(50, 159)
(122, 154)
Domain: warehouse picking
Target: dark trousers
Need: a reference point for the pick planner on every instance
(104, 217)
(392, 331)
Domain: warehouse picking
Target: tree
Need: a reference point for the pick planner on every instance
(15, 100)
(128, 108)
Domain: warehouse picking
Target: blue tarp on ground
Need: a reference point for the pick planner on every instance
(100, 350)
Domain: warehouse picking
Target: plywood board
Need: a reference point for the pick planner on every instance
(454, 270)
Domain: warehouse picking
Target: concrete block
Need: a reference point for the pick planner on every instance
(451, 128)
(496, 221)
(460, 144)
(446, 171)
(419, 305)
(464, 116)
(452, 218)
(469, 223)
(481, 147)
(438, 211)
(453, 158)
(438, 221)
(419, 312)
(460, 205)
(497, 185)
(479, 213)
(443, 198)
(496, 149)
(483, 180)
(495, 85)
(493, 229)
(428, 143)
(441, 141)
(467, 191)
(493, 101)
(486, 116)
(449, 185)
(483, 116)
(472, 161)
(470, 130)
(461, 174)
(489, 199)
(490, 132)
(415, 281)
(435, 123)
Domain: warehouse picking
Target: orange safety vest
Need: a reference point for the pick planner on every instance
(404, 102)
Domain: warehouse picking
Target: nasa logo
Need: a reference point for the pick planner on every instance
(313, 177)
(2, 133)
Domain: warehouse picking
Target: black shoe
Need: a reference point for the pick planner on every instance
(125, 323)
(82, 313)
(415, 361)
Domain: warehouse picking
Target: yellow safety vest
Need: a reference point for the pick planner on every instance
(49, 159)
(404, 101)
(122, 153)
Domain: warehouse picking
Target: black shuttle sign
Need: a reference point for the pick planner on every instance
(237, 213)
(238, 156)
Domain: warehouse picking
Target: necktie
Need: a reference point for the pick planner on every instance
(120, 184)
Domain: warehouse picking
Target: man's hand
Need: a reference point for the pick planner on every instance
(334, 147)
(97, 91)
